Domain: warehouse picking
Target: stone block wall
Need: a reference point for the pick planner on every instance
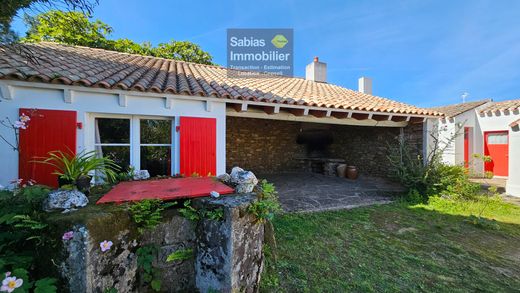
(261, 145)
(227, 254)
(269, 146)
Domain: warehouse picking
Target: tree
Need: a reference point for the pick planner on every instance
(67, 27)
(182, 50)
(10, 9)
(75, 28)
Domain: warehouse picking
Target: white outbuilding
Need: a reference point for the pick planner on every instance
(483, 127)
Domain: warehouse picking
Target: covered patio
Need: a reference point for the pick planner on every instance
(310, 192)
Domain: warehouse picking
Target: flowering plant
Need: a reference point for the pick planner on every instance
(68, 235)
(105, 245)
(10, 283)
(21, 123)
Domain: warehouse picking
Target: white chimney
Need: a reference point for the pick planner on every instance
(316, 71)
(365, 85)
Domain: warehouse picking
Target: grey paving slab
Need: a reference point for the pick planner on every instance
(310, 192)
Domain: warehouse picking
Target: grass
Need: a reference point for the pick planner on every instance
(397, 247)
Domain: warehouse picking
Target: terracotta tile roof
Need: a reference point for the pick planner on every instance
(515, 123)
(510, 105)
(456, 109)
(74, 65)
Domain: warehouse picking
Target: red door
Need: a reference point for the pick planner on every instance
(48, 130)
(496, 145)
(198, 146)
(466, 147)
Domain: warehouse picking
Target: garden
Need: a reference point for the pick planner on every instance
(445, 235)
(51, 239)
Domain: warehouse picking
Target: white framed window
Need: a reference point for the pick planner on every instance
(144, 142)
(498, 138)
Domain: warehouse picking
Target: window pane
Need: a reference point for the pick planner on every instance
(119, 154)
(156, 159)
(497, 138)
(109, 130)
(156, 131)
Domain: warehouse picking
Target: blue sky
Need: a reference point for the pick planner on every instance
(426, 53)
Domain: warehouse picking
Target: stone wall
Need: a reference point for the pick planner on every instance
(269, 146)
(261, 145)
(227, 254)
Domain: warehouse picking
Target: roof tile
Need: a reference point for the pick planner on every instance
(115, 70)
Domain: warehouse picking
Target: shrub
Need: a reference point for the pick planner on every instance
(267, 204)
(71, 167)
(23, 232)
(426, 177)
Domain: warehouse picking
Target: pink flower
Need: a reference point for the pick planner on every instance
(10, 283)
(24, 118)
(19, 124)
(105, 245)
(68, 235)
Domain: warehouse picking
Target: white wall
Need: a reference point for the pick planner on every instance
(102, 101)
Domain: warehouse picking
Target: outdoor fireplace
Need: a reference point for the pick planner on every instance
(317, 140)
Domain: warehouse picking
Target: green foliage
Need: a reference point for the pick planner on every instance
(189, 212)
(429, 177)
(46, 285)
(267, 205)
(150, 274)
(195, 215)
(10, 8)
(214, 214)
(23, 231)
(71, 167)
(110, 290)
(72, 27)
(75, 28)
(181, 254)
(147, 213)
(127, 175)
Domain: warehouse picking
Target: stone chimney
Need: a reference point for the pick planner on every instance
(365, 85)
(316, 71)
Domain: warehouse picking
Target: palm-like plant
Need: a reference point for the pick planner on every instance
(71, 167)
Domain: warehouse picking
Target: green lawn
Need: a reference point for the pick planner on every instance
(397, 247)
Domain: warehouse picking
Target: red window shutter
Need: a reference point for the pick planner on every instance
(198, 146)
(48, 130)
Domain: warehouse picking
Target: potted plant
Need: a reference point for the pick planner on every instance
(75, 169)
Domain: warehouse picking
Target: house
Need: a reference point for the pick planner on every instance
(486, 128)
(173, 117)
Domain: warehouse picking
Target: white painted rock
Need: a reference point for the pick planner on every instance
(141, 175)
(245, 181)
(62, 199)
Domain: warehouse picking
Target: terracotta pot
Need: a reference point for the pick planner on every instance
(83, 183)
(352, 172)
(63, 181)
(342, 170)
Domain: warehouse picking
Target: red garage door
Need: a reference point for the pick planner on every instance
(496, 145)
(48, 130)
(198, 146)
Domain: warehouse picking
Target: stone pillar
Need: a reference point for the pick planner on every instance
(229, 253)
(513, 181)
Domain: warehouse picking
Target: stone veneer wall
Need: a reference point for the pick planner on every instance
(269, 146)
